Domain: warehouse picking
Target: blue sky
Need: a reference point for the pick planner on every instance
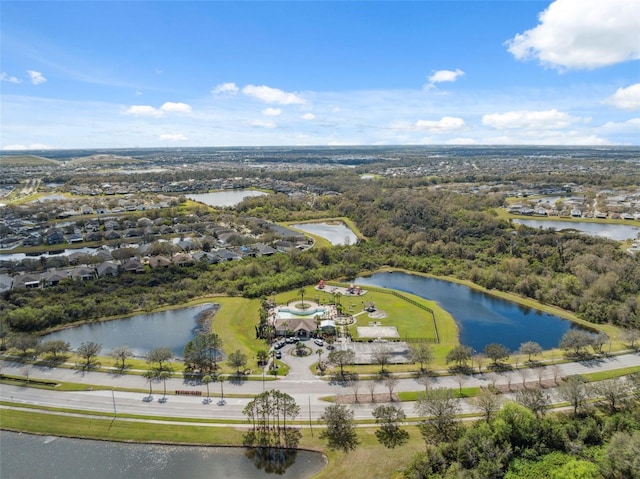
(111, 74)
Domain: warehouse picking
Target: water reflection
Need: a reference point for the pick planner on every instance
(143, 332)
(224, 198)
(335, 233)
(272, 460)
(606, 230)
(49, 457)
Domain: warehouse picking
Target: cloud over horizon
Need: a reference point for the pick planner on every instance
(582, 34)
(273, 95)
(625, 98)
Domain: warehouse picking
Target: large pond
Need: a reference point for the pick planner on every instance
(481, 318)
(335, 233)
(48, 457)
(607, 230)
(143, 332)
(224, 198)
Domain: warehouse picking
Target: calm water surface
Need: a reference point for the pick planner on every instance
(335, 233)
(46, 457)
(612, 231)
(143, 332)
(224, 198)
(481, 318)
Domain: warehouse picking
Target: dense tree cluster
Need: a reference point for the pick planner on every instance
(519, 442)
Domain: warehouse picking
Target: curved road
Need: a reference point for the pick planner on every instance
(301, 384)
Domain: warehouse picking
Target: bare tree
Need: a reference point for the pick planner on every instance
(88, 351)
(508, 379)
(488, 402)
(524, 375)
(425, 380)
(613, 391)
(479, 359)
(556, 373)
(576, 391)
(540, 373)
(381, 355)
(121, 353)
(631, 336)
(391, 382)
(534, 399)
(461, 379)
(354, 384)
(371, 386)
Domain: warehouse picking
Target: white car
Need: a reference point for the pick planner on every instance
(319, 342)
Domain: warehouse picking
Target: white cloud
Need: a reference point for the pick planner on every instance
(262, 124)
(632, 125)
(272, 112)
(273, 95)
(150, 111)
(36, 77)
(172, 107)
(626, 98)
(462, 141)
(308, 116)
(444, 76)
(173, 137)
(582, 34)
(8, 78)
(443, 125)
(33, 146)
(225, 88)
(570, 138)
(531, 120)
(143, 110)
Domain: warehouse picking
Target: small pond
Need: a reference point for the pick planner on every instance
(607, 230)
(335, 233)
(224, 198)
(49, 457)
(481, 318)
(143, 332)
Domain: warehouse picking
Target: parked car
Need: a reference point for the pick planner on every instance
(291, 340)
(278, 354)
(319, 342)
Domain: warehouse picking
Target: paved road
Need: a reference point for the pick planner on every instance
(301, 384)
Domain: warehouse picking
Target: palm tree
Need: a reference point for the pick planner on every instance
(206, 380)
(301, 291)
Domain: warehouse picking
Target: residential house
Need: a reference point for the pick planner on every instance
(133, 265)
(6, 282)
(108, 268)
(26, 281)
(52, 278)
(82, 273)
(159, 262)
(54, 237)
